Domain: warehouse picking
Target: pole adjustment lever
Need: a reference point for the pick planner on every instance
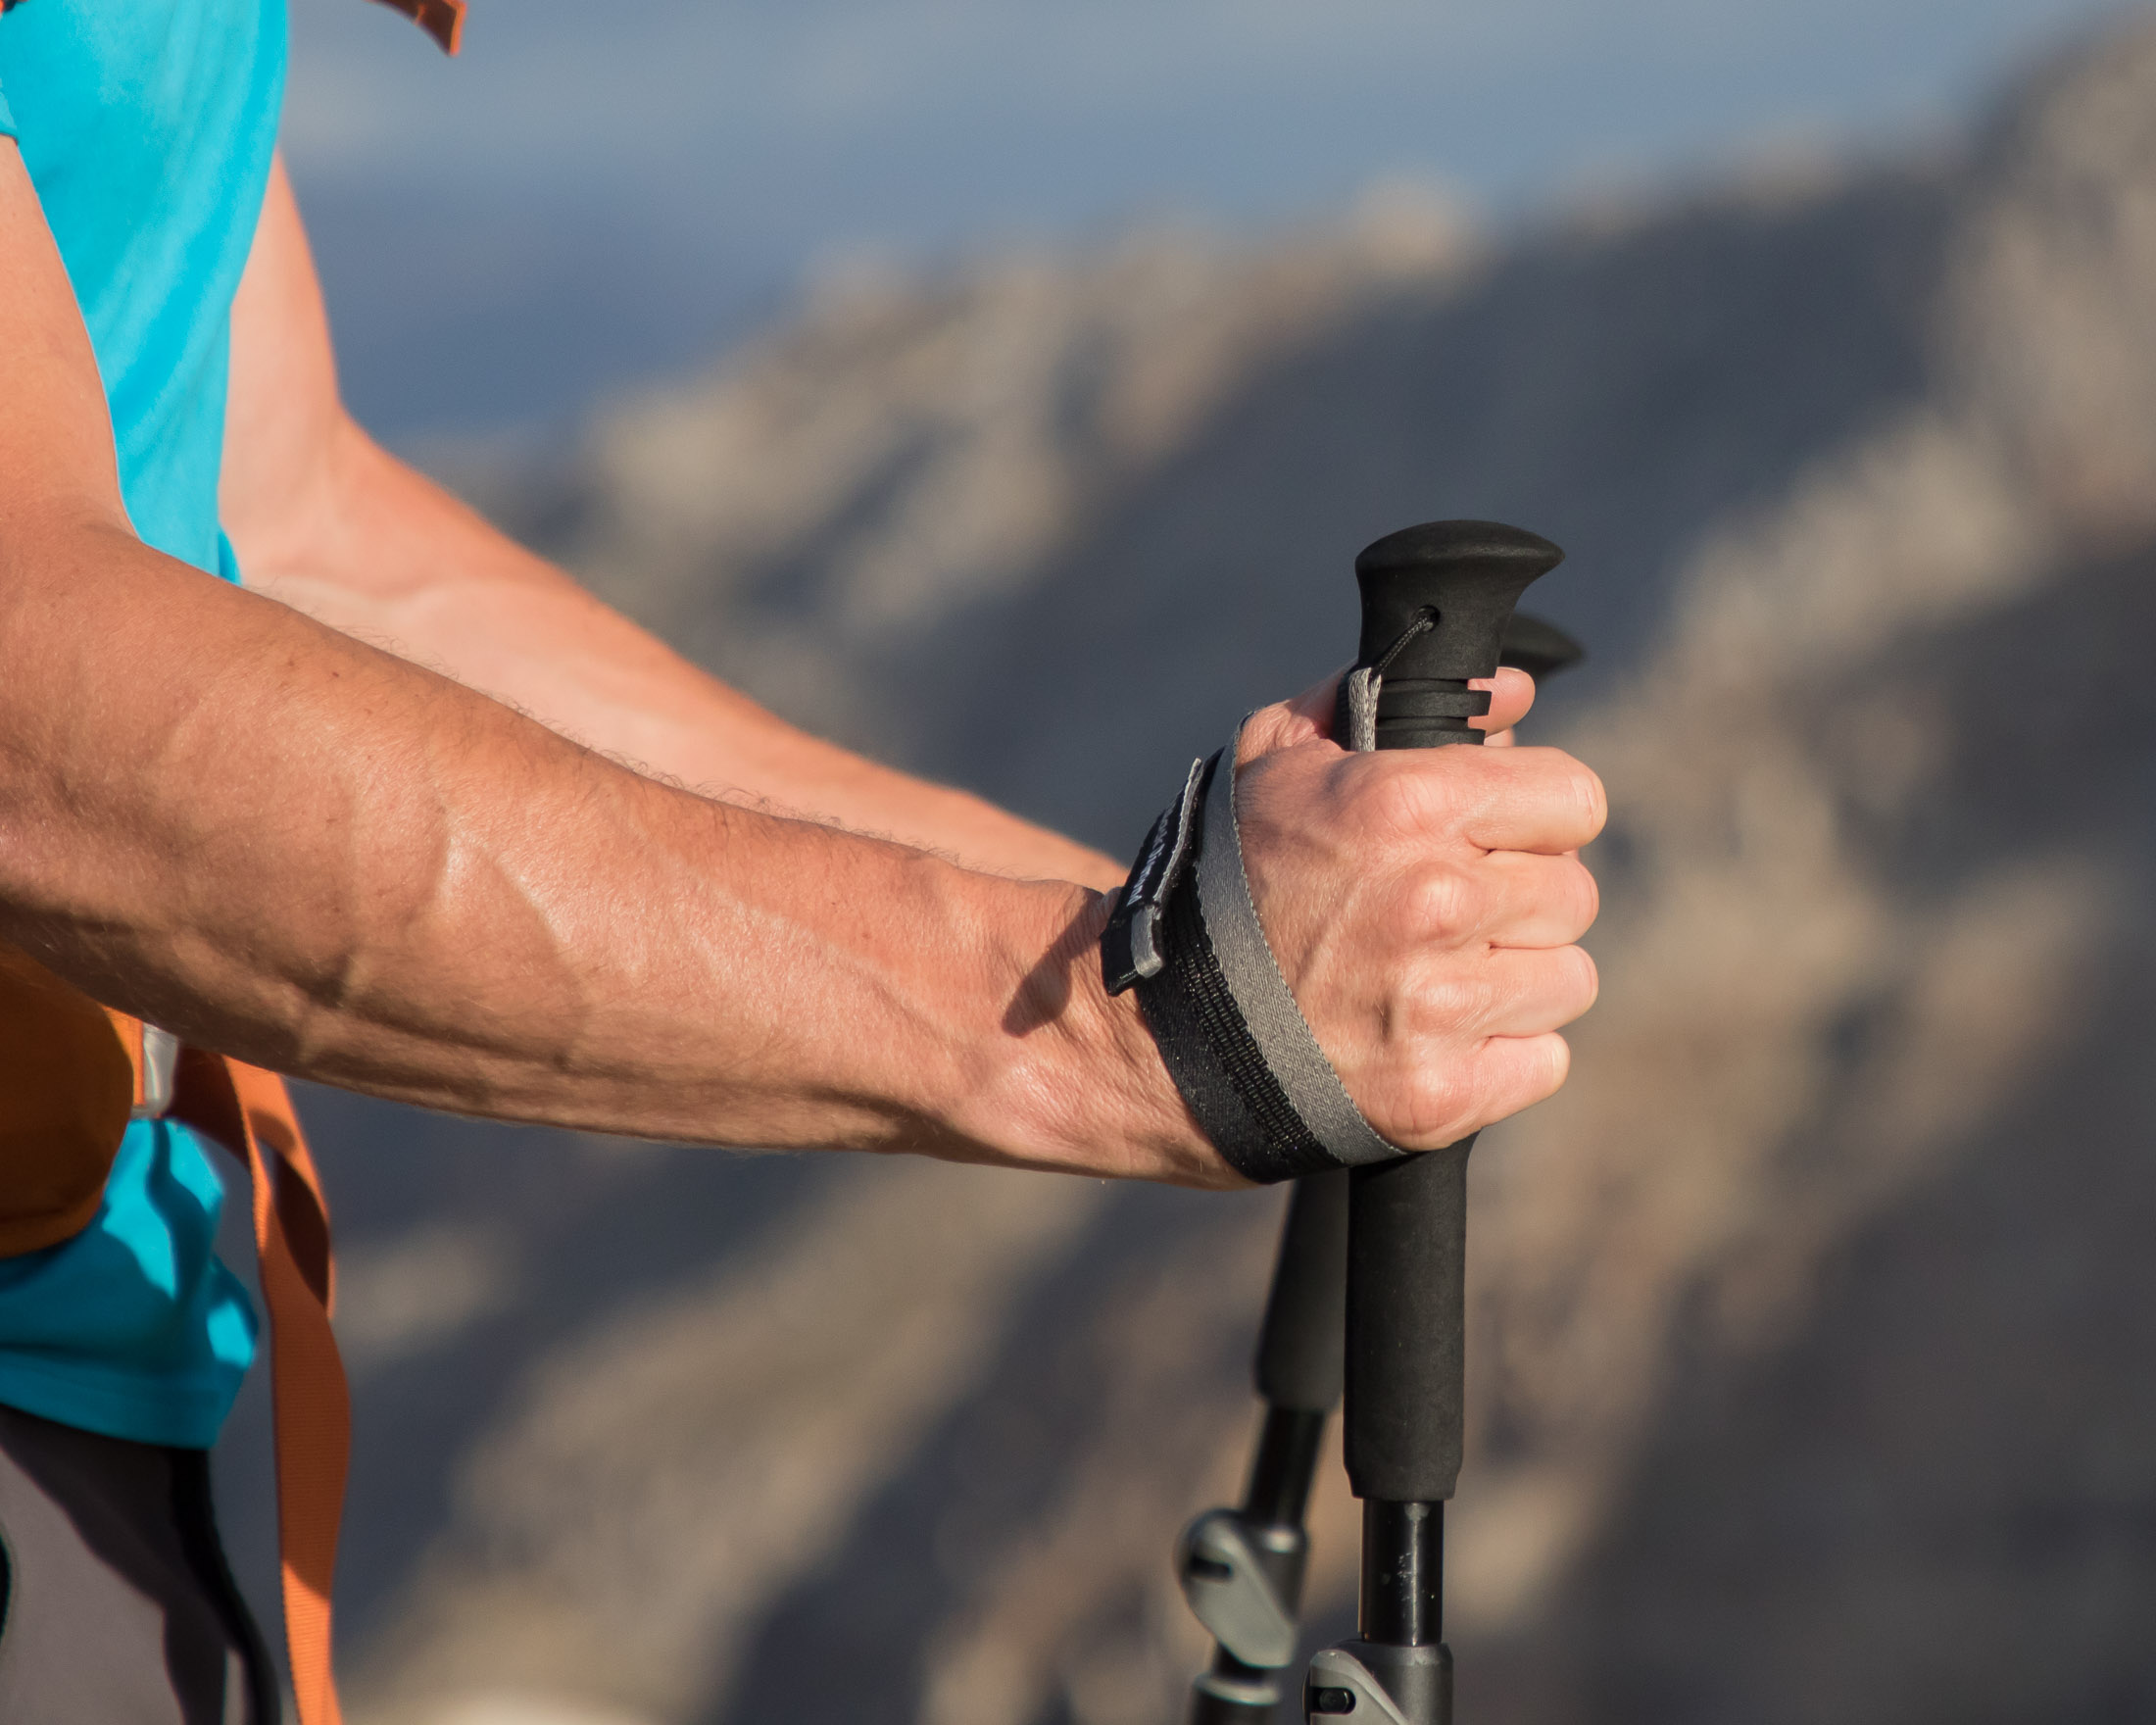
(1230, 1584)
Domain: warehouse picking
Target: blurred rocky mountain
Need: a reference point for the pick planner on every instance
(1812, 1325)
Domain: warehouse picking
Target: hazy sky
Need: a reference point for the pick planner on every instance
(600, 189)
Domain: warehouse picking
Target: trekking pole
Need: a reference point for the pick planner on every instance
(1436, 600)
(1242, 1569)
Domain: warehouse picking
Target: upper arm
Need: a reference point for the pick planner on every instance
(285, 427)
(56, 435)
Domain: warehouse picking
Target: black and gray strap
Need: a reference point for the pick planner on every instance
(1184, 934)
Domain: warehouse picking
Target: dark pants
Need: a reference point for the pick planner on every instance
(119, 1607)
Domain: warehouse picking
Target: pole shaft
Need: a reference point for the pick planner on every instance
(1284, 1466)
(1402, 1601)
(1299, 1346)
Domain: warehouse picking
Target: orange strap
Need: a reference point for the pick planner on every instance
(443, 19)
(247, 1110)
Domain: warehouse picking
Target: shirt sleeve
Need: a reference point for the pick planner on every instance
(7, 119)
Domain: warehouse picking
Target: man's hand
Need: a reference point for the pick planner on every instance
(1423, 906)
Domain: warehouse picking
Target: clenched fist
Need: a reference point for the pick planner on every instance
(1424, 905)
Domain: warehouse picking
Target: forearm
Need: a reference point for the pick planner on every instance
(381, 551)
(289, 846)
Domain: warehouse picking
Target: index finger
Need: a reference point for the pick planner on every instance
(1520, 799)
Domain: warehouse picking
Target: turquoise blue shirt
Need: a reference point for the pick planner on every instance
(147, 127)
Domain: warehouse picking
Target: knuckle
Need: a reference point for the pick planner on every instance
(1443, 902)
(1452, 998)
(1443, 1099)
(1399, 801)
(1421, 794)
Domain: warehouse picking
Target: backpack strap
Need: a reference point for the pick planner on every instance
(248, 1110)
(443, 19)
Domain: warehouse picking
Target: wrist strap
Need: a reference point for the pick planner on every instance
(1184, 934)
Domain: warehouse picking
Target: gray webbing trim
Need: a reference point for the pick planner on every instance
(1276, 1023)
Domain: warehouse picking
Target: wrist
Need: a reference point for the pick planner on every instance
(1075, 1081)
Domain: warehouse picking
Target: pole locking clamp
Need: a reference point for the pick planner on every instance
(1409, 1685)
(1224, 1578)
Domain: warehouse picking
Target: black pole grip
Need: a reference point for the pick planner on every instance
(1299, 1346)
(1540, 647)
(1436, 603)
(1406, 1326)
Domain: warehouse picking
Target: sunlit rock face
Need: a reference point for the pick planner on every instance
(1811, 1325)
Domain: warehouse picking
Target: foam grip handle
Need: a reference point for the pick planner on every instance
(1299, 1346)
(1437, 601)
(1406, 1326)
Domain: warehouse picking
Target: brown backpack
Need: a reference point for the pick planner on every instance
(72, 1074)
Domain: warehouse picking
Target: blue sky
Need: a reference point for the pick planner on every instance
(602, 190)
